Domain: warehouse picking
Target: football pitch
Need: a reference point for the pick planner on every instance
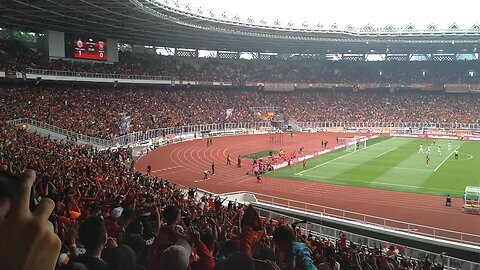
(395, 164)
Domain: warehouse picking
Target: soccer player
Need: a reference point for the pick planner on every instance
(229, 161)
(149, 169)
(427, 160)
(449, 146)
(421, 149)
(434, 141)
(304, 164)
(428, 150)
(448, 201)
(456, 154)
(439, 150)
(239, 162)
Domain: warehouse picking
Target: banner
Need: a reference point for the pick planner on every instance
(229, 113)
(475, 88)
(253, 84)
(10, 74)
(457, 88)
(326, 85)
(303, 85)
(433, 87)
(279, 87)
(417, 85)
(363, 86)
(123, 124)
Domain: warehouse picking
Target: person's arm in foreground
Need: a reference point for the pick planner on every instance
(205, 261)
(28, 239)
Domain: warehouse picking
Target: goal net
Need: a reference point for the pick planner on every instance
(354, 144)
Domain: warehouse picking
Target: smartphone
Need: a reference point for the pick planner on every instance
(7, 182)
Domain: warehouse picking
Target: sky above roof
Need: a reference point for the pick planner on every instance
(358, 13)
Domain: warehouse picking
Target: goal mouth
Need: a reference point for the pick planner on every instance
(353, 144)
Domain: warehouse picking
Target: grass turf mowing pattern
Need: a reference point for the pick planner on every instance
(395, 164)
(261, 154)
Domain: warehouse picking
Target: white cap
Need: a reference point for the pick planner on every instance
(116, 212)
(177, 256)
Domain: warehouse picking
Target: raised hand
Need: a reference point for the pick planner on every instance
(25, 234)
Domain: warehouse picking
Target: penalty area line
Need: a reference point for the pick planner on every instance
(386, 152)
(445, 159)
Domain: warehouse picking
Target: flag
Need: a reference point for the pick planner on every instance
(123, 124)
(229, 113)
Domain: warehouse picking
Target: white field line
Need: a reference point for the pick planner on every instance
(387, 167)
(446, 159)
(469, 156)
(169, 168)
(337, 158)
(386, 152)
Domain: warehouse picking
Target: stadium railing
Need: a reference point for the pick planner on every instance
(64, 132)
(366, 125)
(438, 233)
(96, 75)
(136, 137)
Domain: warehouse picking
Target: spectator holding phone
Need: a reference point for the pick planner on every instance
(28, 240)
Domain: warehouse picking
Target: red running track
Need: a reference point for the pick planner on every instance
(184, 164)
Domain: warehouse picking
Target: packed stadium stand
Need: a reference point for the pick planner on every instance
(67, 202)
(71, 107)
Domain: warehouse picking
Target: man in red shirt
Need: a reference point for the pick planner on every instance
(343, 241)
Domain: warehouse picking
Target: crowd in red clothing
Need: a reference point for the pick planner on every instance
(263, 165)
(96, 111)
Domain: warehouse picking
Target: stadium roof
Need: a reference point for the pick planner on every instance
(165, 23)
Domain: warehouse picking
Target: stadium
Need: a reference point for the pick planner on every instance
(161, 134)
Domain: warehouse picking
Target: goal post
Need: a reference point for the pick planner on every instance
(356, 143)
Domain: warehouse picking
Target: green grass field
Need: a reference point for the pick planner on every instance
(395, 164)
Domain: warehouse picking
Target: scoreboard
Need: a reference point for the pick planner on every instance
(85, 47)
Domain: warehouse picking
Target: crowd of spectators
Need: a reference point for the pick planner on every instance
(106, 215)
(16, 57)
(96, 111)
